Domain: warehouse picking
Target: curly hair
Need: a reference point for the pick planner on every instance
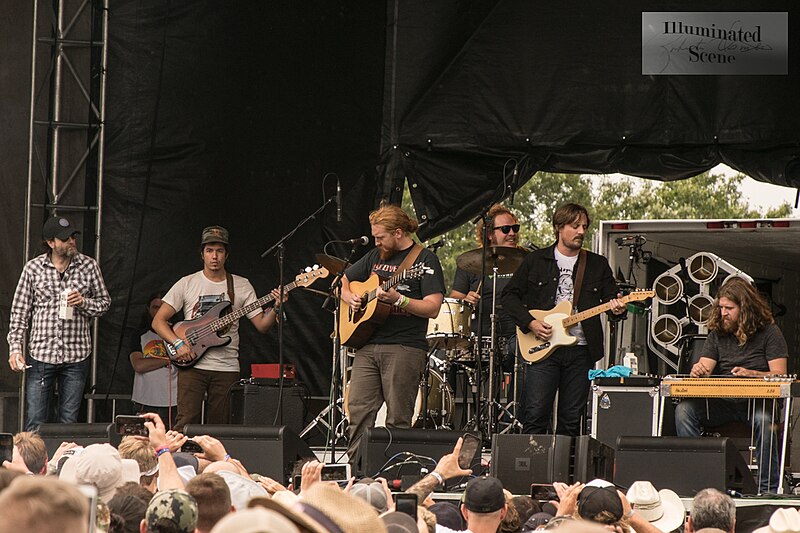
(754, 311)
(392, 217)
(494, 212)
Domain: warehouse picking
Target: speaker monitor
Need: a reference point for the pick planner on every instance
(79, 433)
(519, 460)
(683, 464)
(393, 453)
(271, 451)
(255, 405)
(593, 459)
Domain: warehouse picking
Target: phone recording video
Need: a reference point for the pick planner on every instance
(6, 447)
(336, 472)
(470, 446)
(543, 492)
(406, 503)
(191, 446)
(131, 425)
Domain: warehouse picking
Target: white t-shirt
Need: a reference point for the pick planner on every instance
(195, 295)
(566, 265)
(159, 387)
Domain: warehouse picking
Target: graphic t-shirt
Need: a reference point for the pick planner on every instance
(159, 387)
(400, 327)
(464, 282)
(566, 265)
(195, 295)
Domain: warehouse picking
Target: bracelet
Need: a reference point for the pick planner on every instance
(438, 476)
(227, 457)
(178, 343)
(405, 302)
(399, 301)
(161, 450)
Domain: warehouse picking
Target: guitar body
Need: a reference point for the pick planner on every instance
(200, 341)
(533, 349)
(356, 328)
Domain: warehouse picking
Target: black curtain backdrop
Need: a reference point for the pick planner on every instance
(557, 86)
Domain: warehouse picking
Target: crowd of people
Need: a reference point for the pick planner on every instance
(148, 485)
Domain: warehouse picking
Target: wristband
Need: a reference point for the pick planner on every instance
(178, 343)
(405, 302)
(161, 450)
(438, 476)
(227, 456)
(398, 301)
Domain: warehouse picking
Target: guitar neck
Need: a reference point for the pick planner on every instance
(233, 316)
(387, 285)
(571, 320)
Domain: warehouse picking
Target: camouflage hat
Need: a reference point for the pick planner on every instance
(215, 234)
(175, 505)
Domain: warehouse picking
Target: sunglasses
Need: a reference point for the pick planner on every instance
(505, 229)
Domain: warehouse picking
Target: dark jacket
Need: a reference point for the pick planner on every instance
(534, 287)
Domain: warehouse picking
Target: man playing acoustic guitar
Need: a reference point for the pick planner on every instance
(217, 369)
(390, 365)
(545, 278)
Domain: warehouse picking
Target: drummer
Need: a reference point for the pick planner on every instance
(504, 231)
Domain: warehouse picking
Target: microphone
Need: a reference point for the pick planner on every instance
(338, 200)
(363, 240)
(438, 244)
(513, 182)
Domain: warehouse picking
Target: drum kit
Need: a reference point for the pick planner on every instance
(452, 345)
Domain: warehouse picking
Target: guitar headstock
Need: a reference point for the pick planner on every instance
(417, 271)
(638, 295)
(311, 275)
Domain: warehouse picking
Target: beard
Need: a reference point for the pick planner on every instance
(728, 326)
(386, 254)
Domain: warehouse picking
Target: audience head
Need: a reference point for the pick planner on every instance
(170, 511)
(144, 454)
(256, 520)
(100, 465)
(32, 451)
(127, 512)
(448, 515)
(44, 505)
(782, 521)
(372, 492)
(599, 502)
(712, 509)
(213, 499)
(483, 504)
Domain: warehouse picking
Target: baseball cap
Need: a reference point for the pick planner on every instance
(174, 505)
(215, 234)
(484, 495)
(58, 227)
(100, 465)
(598, 496)
(371, 492)
(254, 521)
(399, 523)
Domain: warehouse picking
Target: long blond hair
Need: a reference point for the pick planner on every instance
(391, 217)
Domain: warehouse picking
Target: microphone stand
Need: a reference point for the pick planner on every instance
(280, 248)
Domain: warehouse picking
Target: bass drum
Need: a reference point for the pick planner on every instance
(440, 404)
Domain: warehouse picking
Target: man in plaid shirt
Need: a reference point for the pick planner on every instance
(59, 348)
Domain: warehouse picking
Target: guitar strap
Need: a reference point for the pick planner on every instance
(410, 258)
(576, 287)
(231, 295)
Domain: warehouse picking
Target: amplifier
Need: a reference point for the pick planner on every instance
(272, 371)
(624, 406)
(256, 405)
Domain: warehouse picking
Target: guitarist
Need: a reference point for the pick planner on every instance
(545, 278)
(218, 369)
(390, 366)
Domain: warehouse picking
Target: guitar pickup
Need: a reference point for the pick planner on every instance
(539, 348)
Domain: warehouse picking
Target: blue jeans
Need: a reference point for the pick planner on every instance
(39, 382)
(565, 371)
(692, 413)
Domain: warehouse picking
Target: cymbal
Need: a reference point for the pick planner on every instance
(332, 263)
(506, 258)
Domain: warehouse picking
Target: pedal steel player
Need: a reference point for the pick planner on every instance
(390, 366)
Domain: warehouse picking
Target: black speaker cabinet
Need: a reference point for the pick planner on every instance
(683, 464)
(592, 460)
(394, 453)
(271, 451)
(254, 405)
(79, 433)
(519, 460)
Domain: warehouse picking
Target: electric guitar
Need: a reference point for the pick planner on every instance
(561, 319)
(356, 327)
(202, 333)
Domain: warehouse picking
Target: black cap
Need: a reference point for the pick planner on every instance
(484, 495)
(594, 500)
(58, 227)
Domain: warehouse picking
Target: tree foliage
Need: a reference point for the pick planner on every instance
(611, 198)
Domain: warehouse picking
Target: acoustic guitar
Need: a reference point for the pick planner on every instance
(203, 332)
(561, 319)
(356, 327)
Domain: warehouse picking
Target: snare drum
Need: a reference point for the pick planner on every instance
(451, 329)
(440, 404)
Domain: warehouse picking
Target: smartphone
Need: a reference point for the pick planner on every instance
(543, 492)
(191, 446)
(130, 425)
(90, 492)
(336, 472)
(406, 503)
(469, 447)
(6, 447)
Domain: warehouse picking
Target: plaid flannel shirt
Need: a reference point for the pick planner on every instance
(51, 339)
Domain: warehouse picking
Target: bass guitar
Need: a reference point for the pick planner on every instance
(561, 319)
(356, 327)
(203, 332)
